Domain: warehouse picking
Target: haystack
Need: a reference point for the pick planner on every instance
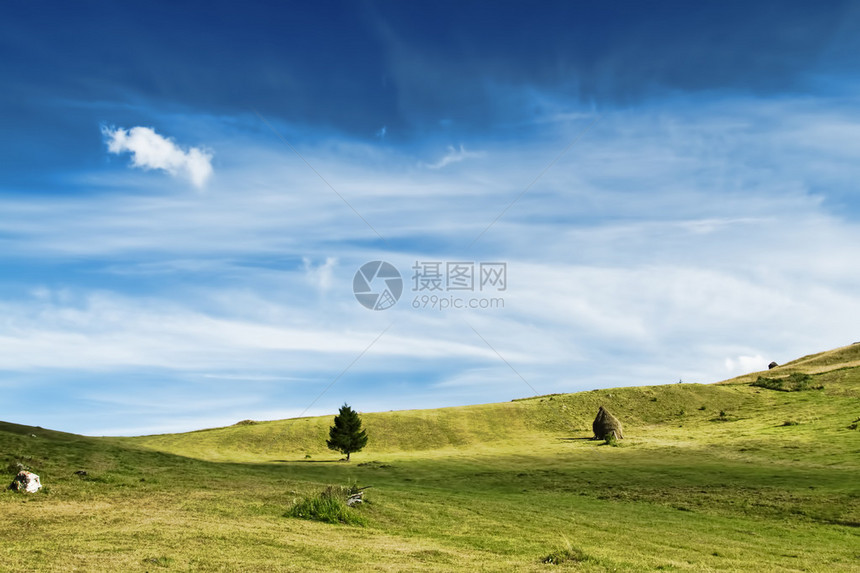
(606, 424)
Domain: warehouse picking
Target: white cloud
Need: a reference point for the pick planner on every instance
(168, 422)
(98, 331)
(321, 275)
(454, 156)
(746, 364)
(149, 150)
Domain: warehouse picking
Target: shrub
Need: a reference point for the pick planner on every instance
(565, 555)
(568, 553)
(610, 440)
(769, 383)
(702, 408)
(795, 382)
(328, 506)
(791, 423)
(723, 417)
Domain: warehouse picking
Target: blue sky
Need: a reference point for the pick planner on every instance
(187, 193)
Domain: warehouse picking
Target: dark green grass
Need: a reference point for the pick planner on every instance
(794, 382)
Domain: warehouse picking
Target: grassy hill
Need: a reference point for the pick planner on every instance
(845, 357)
(724, 476)
(452, 429)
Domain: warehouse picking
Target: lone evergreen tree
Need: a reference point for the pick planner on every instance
(346, 436)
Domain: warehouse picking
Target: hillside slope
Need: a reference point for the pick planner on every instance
(818, 363)
(447, 428)
(531, 420)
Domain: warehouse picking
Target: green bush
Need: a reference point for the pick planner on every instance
(328, 506)
(795, 382)
(723, 417)
(566, 554)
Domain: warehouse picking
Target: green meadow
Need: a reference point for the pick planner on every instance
(710, 477)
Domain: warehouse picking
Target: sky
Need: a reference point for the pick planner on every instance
(571, 195)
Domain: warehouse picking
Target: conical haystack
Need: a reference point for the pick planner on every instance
(605, 424)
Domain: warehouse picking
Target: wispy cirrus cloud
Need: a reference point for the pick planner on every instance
(454, 155)
(150, 150)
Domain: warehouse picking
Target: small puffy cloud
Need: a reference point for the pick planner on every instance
(149, 150)
(745, 364)
(454, 156)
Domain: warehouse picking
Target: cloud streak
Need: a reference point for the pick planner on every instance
(454, 155)
(149, 150)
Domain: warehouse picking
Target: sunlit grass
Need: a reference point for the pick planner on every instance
(515, 486)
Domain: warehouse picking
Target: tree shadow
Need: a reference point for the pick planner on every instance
(307, 461)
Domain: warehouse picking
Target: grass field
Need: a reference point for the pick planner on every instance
(720, 477)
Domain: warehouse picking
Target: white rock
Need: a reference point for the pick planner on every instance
(26, 481)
